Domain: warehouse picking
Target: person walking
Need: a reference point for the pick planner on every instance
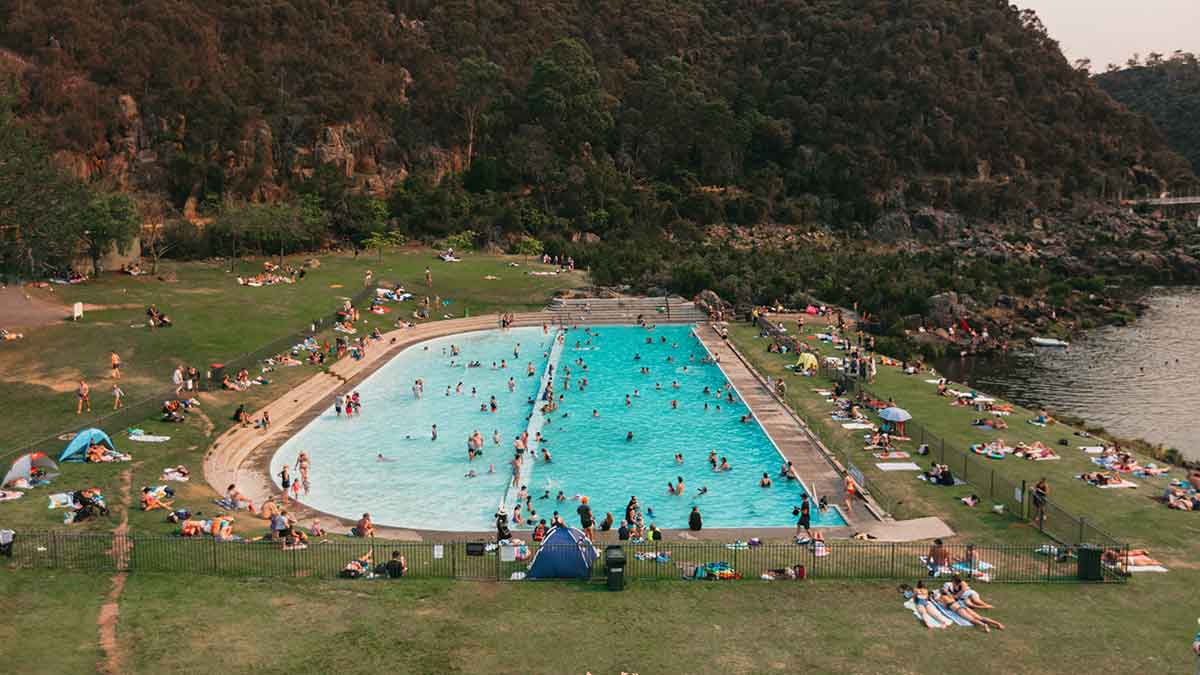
(428, 278)
(851, 487)
(1041, 491)
(805, 517)
(115, 363)
(117, 395)
(177, 379)
(83, 393)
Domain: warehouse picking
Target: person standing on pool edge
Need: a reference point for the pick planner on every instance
(586, 521)
(805, 517)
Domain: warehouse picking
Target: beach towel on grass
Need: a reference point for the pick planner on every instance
(897, 466)
(950, 614)
(148, 438)
(62, 500)
(858, 425)
(1092, 449)
(9, 495)
(1122, 484)
(957, 480)
(911, 606)
(899, 454)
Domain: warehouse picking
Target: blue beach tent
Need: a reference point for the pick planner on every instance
(77, 450)
(566, 553)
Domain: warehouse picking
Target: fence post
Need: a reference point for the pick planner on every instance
(1024, 509)
(892, 563)
(992, 485)
(1081, 522)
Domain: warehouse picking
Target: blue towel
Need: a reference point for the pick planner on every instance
(950, 614)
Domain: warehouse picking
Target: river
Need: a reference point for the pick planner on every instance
(1139, 381)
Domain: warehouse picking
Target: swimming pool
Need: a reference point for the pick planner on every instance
(422, 483)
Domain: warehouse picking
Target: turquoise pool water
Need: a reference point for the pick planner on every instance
(423, 483)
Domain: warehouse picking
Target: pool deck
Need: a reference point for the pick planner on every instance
(242, 456)
(814, 465)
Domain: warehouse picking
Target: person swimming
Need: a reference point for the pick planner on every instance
(703, 490)
(724, 465)
(679, 458)
(629, 437)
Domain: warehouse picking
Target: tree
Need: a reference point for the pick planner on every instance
(479, 81)
(565, 95)
(112, 221)
(530, 246)
(156, 244)
(384, 239)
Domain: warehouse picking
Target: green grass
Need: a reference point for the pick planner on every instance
(214, 624)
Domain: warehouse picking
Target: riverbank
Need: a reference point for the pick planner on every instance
(1135, 382)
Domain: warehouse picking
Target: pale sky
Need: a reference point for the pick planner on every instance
(1111, 31)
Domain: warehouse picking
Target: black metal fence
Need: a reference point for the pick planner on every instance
(134, 412)
(107, 553)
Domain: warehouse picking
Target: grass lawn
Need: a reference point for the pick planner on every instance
(422, 625)
(213, 624)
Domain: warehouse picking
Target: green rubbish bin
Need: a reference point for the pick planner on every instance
(1089, 567)
(614, 565)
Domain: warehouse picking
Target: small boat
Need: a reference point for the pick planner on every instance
(1048, 342)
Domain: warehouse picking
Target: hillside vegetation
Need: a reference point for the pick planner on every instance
(755, 148)
(1167, 90)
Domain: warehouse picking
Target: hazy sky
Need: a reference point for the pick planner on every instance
(1110, 31)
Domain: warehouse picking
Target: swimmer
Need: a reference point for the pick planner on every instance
(674, 384)
(765, 482)
(674, 404)
(546, 456)
(561, 497)
(724, 465)
(629, 437)
(433, 433)
(595, 412)
(545, 495)
(512, 385)
(702, 491)
(458, 388)
(658, 386)
(491, 468)
(679, 488)
(496, 436)
(679, 458)
(381, 458)
(628, 401)
(447, 390)
(712, 459)
(670, 488)
(470, 474)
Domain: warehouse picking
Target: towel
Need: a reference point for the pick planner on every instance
(898, 454)
(1092, 449)
(61, 500)
(147, 438)
(897, 466)
(1122, 484)
(7, 496)
(950, 614)
(858, 425)
(911, 606)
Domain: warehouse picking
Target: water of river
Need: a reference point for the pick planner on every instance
(1139, 381)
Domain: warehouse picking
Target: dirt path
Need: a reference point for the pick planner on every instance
(106, 621)
(24, 311)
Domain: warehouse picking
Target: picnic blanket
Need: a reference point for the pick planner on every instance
(957, 480)
(60, 500)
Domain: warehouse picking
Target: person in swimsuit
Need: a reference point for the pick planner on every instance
(115, 363)
(920, 596)
(957, 606)
(851, 488)
(83, 393)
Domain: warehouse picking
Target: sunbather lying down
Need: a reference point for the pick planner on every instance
(795, 572)
(357, 567)
(1134, 558)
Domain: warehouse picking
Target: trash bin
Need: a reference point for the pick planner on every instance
(614, 565)
(1088, 564)
(216, 372)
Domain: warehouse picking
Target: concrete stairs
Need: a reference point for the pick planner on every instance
(624, 310)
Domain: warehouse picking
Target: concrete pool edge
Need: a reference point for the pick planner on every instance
(242, 456)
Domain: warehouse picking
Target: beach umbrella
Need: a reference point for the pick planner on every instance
(894, 414)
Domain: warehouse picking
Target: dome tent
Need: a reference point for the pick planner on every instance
(566, 553)
(25, 464)
(77, 449)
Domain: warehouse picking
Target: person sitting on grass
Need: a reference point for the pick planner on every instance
(365, 528)
(357, 567)
(150, 501)
(237, 500)
(396, 567)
